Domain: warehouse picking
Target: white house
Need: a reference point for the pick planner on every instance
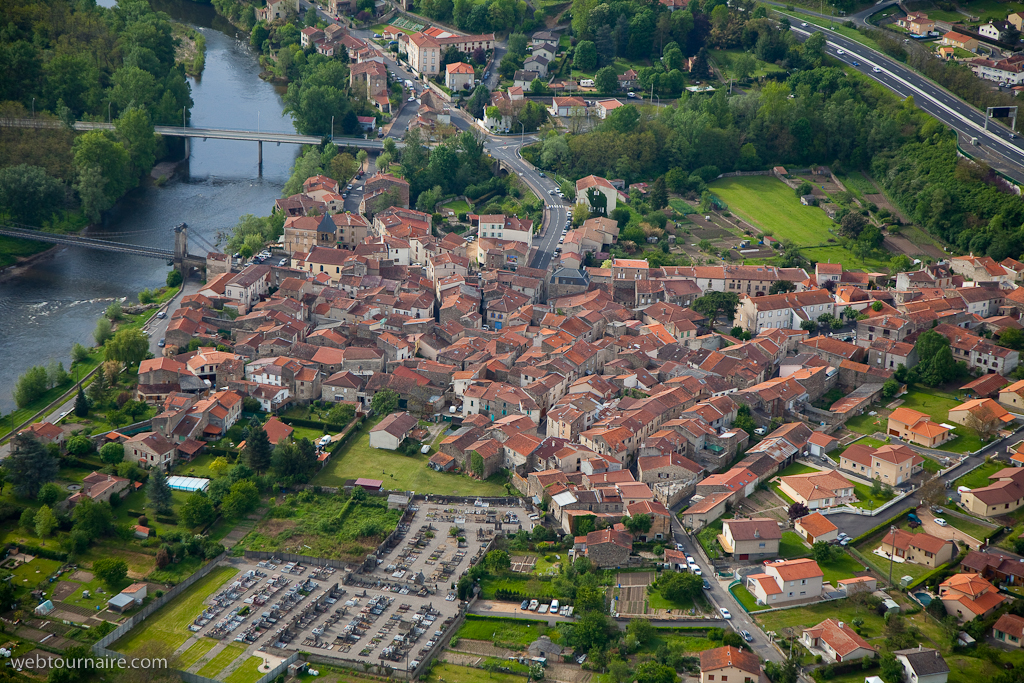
(247, 287)
(604, 107)
(836, 641)
(922, 665)
(594, 185)
(459, 76)
(567, 106)
(502, 227)
(783, 311)
(390, 432)
(789, 582)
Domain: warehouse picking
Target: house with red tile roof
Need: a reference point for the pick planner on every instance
(790, 582)
(836, 641)
(916, 427)
(919, 548)
(967, 596)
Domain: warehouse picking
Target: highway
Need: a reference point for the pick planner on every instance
(928, 96)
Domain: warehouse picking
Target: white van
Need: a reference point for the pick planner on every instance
(587, 82)
(324, 440)
(554, 607)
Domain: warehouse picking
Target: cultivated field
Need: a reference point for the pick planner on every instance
(765, 201)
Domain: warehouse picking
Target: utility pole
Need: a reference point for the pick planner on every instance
(892, 551)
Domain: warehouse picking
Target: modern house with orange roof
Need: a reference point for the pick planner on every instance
(790, 582)
(982, 415)
(816, 527)
(967, 596)
(836, 641)
(1004, 495)
(911, 425)
(818, 490)
(921, 548)
(891, 464)
(730, 664)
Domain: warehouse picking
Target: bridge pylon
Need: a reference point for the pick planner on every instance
(180, 246)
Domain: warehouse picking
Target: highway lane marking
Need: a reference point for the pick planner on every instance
(936, 101)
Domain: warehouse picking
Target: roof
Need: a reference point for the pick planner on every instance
(822, 439)
(729, 656)
(924, 661)
(792, 570)
(755, 528)
(396, 424)
(1010, 623)
(817, 524)
(918, 422)
(842, 639)
(459, 68)
(903, 539)
(817, 485)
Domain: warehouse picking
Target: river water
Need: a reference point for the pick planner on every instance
(56, 301)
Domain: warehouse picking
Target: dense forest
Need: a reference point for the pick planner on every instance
(73, 60)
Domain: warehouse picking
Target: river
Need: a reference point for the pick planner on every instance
(55, 302)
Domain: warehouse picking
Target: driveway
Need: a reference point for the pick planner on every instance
(929, 526)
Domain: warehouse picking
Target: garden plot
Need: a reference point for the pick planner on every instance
(523, 564)
(632, 598)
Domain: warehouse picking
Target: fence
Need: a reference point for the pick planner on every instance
(101, 649)
(265, 678)
(127, 431)
(292, 557)
(862, 511)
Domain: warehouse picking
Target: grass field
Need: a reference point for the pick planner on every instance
(168, 626)
(678, 639)
(724, 59)
(979, 477)
(809, 615)
(867, 424)
(765, 201)
(839, 254)
(746, 598)
(845, 567)
(194, 653)
(358, 459)
(221, 660)
(511, 631)
(248, 672)
(792, 545)
(463, 674)
(656, 600)
(867, 499)
(528, 585)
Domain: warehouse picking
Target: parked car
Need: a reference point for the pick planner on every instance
(746, 636)
(525, 605)
(707, 586)
(726, 614)
(941, 522)
(161, 315)
(534, 604)
(161, 343)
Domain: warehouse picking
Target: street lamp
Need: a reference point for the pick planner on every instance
(522, 136)
(33, 107)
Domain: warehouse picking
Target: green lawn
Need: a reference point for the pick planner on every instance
(836, 253)
(844, 567)
(979, 477)
(446, 673)
(724, 60)
(527, 586)
(194, 653)
(867, 424)
(458, 207)
(511, 631)
(867, 499)
(810, 615)
(221, 660)
(972, 529)
(765, 201)
(792, 545)
(658, 601)
(30, 574)
(169, 625)
(746, 598)
(357, 459)
(798, 468)
(248, 672)
(679, 639)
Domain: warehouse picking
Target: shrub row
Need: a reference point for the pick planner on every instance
(311, 424)
(43, 552)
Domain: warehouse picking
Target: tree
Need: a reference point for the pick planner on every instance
(642, 629)
(798, 510)
(31, 386)
(384, 402)
(824, 552)
(112, 571)
(112, 453)
(129, 346)
(654, 672)
(498, 561)
(892, 670)
(679, 587)
(258, 449)
(29, 195)
(659, 194)
(294, 462)
(936, 364)
(809, 325)
(98, 388)
(782, 287)
(852, 224)
(743, 65)
(934, 492)
(174, 278)
(900, 263)
(134, 130)
(104, 331)
(197, 511)
(30, 465)
(79, 445)
(478, 101)
(243, 499)
(877, 306)
(517, 44)
(717, 303)
(699, 67)
(45, 522)
(606, 80)
(638, 525)
(585, 58)
(50, 494)
(81, 404)
(890, 387)
(100, 149)
(1012, 338)
(158, 492)
(219, 467)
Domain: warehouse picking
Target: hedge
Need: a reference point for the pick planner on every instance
(42, 552)
(340, 443)
(312, 424)
(948, 567)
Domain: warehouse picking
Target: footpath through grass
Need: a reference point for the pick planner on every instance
(168, 627)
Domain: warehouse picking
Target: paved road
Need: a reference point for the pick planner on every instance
(928, 96)
(719, 596)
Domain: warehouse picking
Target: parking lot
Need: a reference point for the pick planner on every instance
(391, 613)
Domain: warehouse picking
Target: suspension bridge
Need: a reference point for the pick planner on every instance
(179, 257)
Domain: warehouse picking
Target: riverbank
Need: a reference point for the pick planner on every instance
(190, 50)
